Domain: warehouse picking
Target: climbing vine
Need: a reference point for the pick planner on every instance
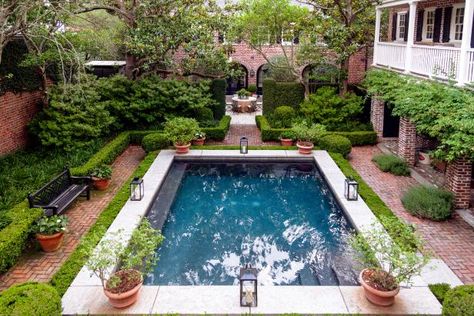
(438, 110)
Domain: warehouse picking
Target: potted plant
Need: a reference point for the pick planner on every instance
(101, 176)
(181, 131)
(287, 137)
(243, 94)
(388, 263)
(252, 89)
(122, 287)
(306, 135)
(199, 138)
(49, 232)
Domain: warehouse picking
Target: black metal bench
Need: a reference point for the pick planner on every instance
(59, 193)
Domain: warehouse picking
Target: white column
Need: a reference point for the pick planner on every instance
(378, 15)
(466, 42)
(411, 36)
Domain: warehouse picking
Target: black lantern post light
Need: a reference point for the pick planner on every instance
(248, 286)
(137, 189)
(351, 189)
(244, 145)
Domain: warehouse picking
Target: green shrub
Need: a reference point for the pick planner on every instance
(336, 144)
(30, 299)
(459, 301)
(439, 290)
(204, 115)
(288, 134)
(305, 132)
(428, 202)
(281, 93)
(252, 88)
(283, 117)
(5, 220)
(392, 164)
(359, 138)
(218, 89)
(155, 141)
(268, 133)
(218, 132)
(181, 130)
(136, 137)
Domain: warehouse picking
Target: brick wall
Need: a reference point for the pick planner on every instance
(16, 111)
(407, 141)
(377, 109)
(458, 181)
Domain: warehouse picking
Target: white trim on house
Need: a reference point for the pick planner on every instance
(401, 37)
(424, 33)
(452, 35)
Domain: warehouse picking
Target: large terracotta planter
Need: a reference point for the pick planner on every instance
(125, 299)
(305, 148)
(101, 184)
(377, 297)
(286, 142)
(50, 243)
(199, 141)
(182, 149)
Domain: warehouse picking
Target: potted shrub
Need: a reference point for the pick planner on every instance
(306, 135)
(101, 176)
(49, 232)
(287, 137)
(388, 263)
(252, 89)
(199, 138)
(243, 94)
(181, 131)
(122, 287)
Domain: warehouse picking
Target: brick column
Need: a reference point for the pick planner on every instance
(458, 181)
(407, 141)
(376, 115)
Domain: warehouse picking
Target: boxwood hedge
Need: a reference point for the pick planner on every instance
(459, 301)
(218, 132)
(281, 93)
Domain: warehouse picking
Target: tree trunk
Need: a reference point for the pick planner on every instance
(44, 86)
(344, 77)
(130, 66)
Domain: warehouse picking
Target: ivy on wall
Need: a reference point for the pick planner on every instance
(438, 110)
(13, 76)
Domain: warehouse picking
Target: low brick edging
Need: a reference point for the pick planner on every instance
(39, 266)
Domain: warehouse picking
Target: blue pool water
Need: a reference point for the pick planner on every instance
(279, 217)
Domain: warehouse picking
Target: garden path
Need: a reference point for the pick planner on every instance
(451, 240)
(39, 266)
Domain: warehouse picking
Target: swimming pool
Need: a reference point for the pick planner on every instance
(279, 217)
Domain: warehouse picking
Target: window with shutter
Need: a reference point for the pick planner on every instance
(457, 22)
(429, 20)
(401, 26)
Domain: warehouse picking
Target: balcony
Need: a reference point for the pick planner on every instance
(431, 50)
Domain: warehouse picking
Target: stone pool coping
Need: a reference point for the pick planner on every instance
(83, 296)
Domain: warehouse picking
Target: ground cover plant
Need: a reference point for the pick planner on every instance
(391, 163)
(439, 290)
(428, 202)
(459, 301)
(30, 299)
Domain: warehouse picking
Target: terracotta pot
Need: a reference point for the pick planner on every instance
(199, 141)
(377, 297)
(125, 299)
(286, 142)
(305, 148)
(182, 149)
(101, 184)
(50, 243)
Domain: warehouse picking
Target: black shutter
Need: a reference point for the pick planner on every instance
(448, 12)
(407, 21)
(394, 27)
(419, 25)
(437, 25)
(472, 36)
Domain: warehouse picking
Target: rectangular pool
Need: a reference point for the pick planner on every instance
(279, 217)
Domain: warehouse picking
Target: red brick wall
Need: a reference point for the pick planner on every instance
(377, 110)
(407, 141)
(458, 181)
(358, 64)
(16, 111)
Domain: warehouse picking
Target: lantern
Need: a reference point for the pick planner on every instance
(244, 145)
(137, 189)
(248, 286)
(351, 189)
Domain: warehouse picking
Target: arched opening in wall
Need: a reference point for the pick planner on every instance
(391, 122)
(235, 84)
(262, 73)
(318, 75)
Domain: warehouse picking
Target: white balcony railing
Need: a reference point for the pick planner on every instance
(391, 55)
(470, 66)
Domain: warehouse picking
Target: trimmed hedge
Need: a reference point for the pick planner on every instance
(391, 163)
(218, 132)
(68, 271)
(439, 290)
(373, 201)
(428, 202)
(336, 144)
(459, 301)
(358, 138)
(218, 87)
(13, 237)
(155, 141)
(281, 93)
(30, 299)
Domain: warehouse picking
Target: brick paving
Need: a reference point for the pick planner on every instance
(237, 131)
(451, 240)
(39, 266)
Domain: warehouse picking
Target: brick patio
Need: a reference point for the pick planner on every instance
(452, 240)
(39, 266)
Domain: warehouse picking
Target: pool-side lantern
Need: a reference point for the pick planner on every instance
(137, 189)
(244, 145)
(351, 188)
(248, 286)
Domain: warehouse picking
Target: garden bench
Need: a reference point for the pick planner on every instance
(59, 193)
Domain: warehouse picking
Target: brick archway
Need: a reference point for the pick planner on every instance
(234, 85)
